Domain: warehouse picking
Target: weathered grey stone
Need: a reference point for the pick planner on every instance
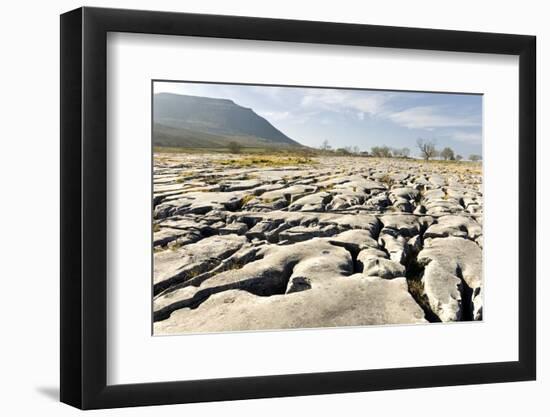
(317, 260)
(378, 201)
(447, 262)
(477, 304)
(259, 230)
(395, 245)
(404, 206)
(405, 193)
(345, 199)
(347, 301)
(199, 203)
(233, 228)
(164, 235)
(357, 183)
(291, 193)
(435, 194)
(354, 240)
(312, 202)
(379, 266)
(178, 265)
(240, 185)
(443, 291)
(306, 231)
(454, 225)
(415, 244)
(302, 233)
(441, 207)
(404, 224)
(457, 256)
(437, 180)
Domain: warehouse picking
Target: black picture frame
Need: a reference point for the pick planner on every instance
(84, 207)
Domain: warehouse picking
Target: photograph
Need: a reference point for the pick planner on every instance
(299, 207)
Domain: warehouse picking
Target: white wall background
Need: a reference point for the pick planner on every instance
(29, 213)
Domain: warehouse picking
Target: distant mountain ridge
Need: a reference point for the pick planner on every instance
(193, 121)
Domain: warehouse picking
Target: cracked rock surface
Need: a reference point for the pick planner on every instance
(332, 241)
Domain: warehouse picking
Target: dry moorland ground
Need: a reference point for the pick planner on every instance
(248, 242)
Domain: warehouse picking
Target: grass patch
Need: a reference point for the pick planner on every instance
(247, 198)
(416, 288)
(175, 245)
(283, 150)
(326, 188)
(266, 161)
(386, 179)
(456, 166)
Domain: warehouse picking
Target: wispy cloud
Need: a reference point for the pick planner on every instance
(387, 106)
(290, 116)
(374, 103)
(429, 117)
(468, 137)
(275, 115)
(356, 117)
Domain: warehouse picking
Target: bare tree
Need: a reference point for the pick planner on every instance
(475, 158)
(375, 151)
(459, 157)
(344, 151)
(427, 148)
(356, 150)
(401, 152)
(234, 147)
(396, 152)
(447, 153)
(381, 151)
(325, 146)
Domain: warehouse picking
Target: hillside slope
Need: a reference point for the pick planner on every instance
(190, 121)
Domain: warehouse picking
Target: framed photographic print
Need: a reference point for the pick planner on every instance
(257, 207)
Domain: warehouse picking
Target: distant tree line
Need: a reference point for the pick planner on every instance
(234, 147)
(376, 151)
(427, 150)
(387, 152)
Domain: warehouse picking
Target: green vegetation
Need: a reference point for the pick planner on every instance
(175, 245)
(447, 154)
(190, 121)
(386, 179)
(416, 288)
(427, 148)
(266, 161)
(303, 152)
(381, 152)
(234, 147)
(247, 198)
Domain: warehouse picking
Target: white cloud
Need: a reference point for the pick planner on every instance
(469, 137)
(381, 105)
(429, 117)
(373, 103)
(274, 115)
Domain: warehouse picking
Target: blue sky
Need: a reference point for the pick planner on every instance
(363, 118)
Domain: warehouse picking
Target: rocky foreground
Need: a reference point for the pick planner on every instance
(247, 244)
